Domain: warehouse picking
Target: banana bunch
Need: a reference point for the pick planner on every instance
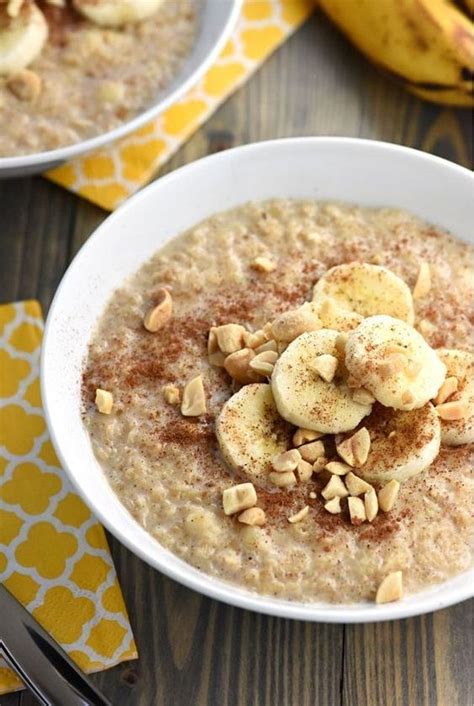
(24, 29)
(426, 45)
(352, 360)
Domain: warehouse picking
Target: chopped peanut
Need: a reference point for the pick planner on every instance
(238, 366)
(292, 324)
(254, 340)
(356, 511)
(270, 345)
(301, 436)
(448, 388)
(253, 516)
(391, 588)
(304, 471)
(160, 314)
(171, 394)
(282, 480)
(333, 506)
(335, 488)
(263, 362)
(337, 468)
(299, 515)
(239, 497)
(452, 411)
(355, 449)
(230, 337)
(194, 398)
(423, 282)
(104, 401)
(312, 451)
(371, 504)
(25, 85)
(325, 366)
(362, 396)
(319, 464)
(355, 485)
(388, 495)
(263, 264)
(286, 461)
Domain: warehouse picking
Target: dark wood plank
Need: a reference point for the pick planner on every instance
(194, 651)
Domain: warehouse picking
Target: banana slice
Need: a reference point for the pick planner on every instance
(402, 444)
(368, 290)
(393, 361)
(114, 13)
(21, 37)
(303, 397)
(459, 364)
(250, 432)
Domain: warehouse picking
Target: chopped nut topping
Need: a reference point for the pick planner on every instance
(286, 461)
(292, 324)
(104, 401)
(423, 283)
(325, 366)
(388, 495)
(426, 327)
(362, 396)
(239, 497)
(371, 504)
(25, 85)
(254, 340)
(391, 588)
(299, 515)
(238, 366)
(253, 516)
(452, 411)
(333, 506)
(263, 362)
(355, 449)
(301, 436)
(357, 511)
(448, 388)
(157, 317)
(337, 468)
(171, 394)
(230, 337)
(263, 264)
(310, 452)
(304, 471)
(355, 485)
(335, 488)
(408, 397)
(281, 347)
(194, 398)
(319, 464)
(313, 495)
(282, 480)
(270, 345)
(393, 364)
(217, 359)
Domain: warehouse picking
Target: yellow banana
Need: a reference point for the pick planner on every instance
(427, 45)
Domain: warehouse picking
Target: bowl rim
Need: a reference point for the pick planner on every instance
(186, 574)
(62, 154)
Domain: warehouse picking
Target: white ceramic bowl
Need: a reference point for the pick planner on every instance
(359, 171)
(216, 21)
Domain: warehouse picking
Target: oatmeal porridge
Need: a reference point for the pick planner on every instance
(74, 70)
(283, 396)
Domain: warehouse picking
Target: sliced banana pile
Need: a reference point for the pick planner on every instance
(369, 400)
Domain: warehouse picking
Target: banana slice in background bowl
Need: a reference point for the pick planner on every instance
(459, 364)
(22, 37)
(115, 13)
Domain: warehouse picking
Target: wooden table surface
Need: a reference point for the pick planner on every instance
(193, 650)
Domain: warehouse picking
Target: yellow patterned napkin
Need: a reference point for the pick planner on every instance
(107, 177)
(53, 554)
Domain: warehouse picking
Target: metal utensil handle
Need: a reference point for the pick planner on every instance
(39, 661)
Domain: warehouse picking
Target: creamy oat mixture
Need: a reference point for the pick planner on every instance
(246, 267)
(90, 79)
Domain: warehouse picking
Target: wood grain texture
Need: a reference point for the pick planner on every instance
(194, 651)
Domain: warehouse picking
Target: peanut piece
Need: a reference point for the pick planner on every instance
(319, 464)
(423, 282)
(325, 366)
(282, 480)
(371, 504)
(230, 337)
(355, 485)
(357, 511)
(194, 398)
(263, 264)
(286, 461)
(263, 362)
(337, 468)
(299, 515)
(239, 497)
(452, 411)
(448, 388)
(391, 588)
(104, 401)
(253, 516)
(25, 85)
(160, 314)
(171, 394)
(335, 488)
(301, 436)
(238, 366)
(310, 452)
(270, 345)
(362, 396)
(292, 324)
(254, 340)
(333, 506)
(355, 449)
(388, 495)
(304, 471)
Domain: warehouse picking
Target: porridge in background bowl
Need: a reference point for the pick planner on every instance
(72, 70)
(265, 399)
